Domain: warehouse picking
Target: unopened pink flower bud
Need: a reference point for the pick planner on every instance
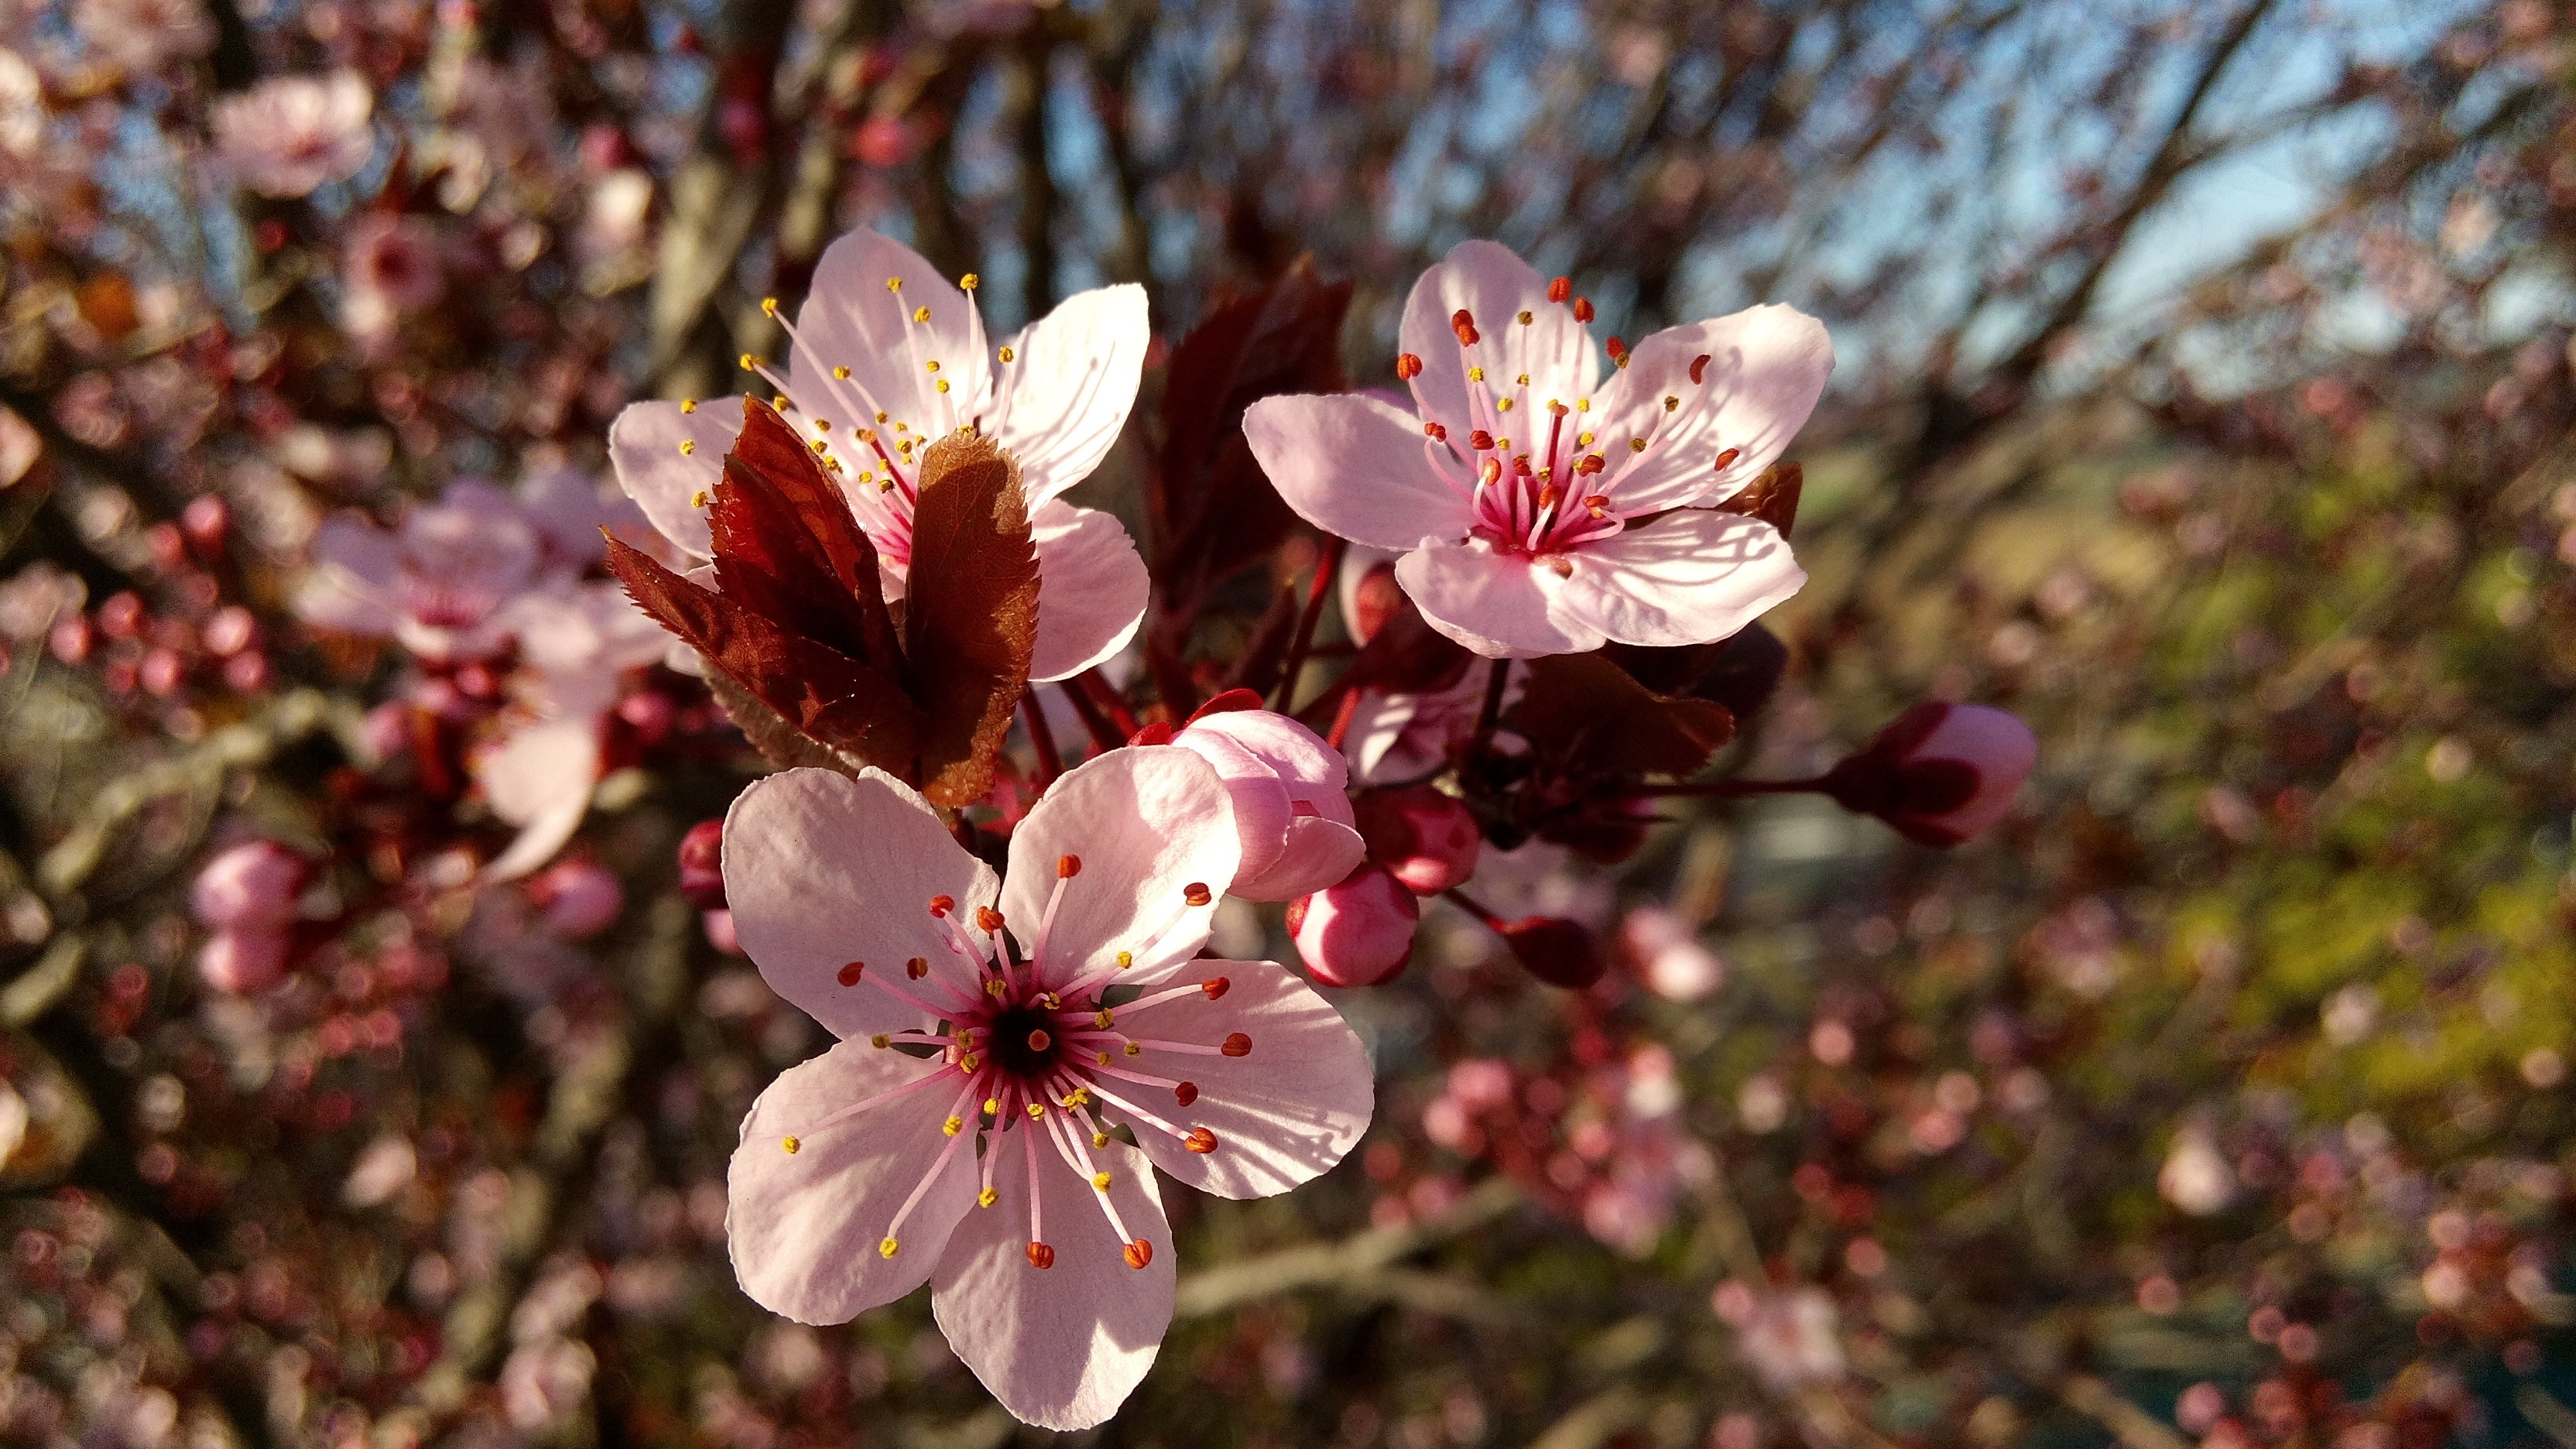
(1555, 950)
(1939, 773)
(580, 898)
(1356, 933)
(205, 520)
(231, 630)
(1286, 786)
(1425, 839)
(702, 865)
(243, 961)
(251, 887)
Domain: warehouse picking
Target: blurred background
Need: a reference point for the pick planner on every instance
(2203, 396)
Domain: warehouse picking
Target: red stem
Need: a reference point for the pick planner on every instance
(1106, 696)
(1104, 735)
(1042, 735)
(1725, 789)
(1328, 566)
(1342, 718)
(1467, 903)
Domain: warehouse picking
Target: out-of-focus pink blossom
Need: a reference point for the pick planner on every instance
(438, 584)
(251, 886)
(1940, 772)
(580, 898)
(1561, 543)
(1286, 785)
(1670, 959)
(389, 268)
(2195, 1178)
(1424, 838)
(1358, 932)
(1790, 1338)
(243, 960)
(885, 142)
(720, 932)
(288, 135)
(139, 36)
(702, 865)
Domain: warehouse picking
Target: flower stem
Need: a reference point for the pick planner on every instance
(1492, 714)
(1328, 565)
(1467, 903)
(1106, 696)
(1725, 789)
(1042, 735)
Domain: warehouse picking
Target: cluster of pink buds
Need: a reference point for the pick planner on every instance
(247, 897)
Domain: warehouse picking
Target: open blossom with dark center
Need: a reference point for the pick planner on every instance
(993, 1035)
(288, 135)
(437, 584)
(1541, 508)
(884, 359)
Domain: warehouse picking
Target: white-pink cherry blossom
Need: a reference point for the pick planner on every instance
(1540, 507)
(288, 135)
(885, 358)
(993, 1034)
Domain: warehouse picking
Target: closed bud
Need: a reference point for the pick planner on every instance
(1357, 933)
(701, 865)
(244, 961)
(1555, 950)
(1940, 772)
(1426, 840)
(580, 898)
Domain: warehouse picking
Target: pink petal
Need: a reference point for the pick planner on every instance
(850, 319)
(1146, 824)
(644, 448)
(1495, 286)
(1296, 752)
(822, 870)
(1317, 853)
(1499, 605)
(1353, 466)
(1061, 1347)
(1091, 590)
(1766, 369)
(1689, 577)
(539, 779)
(805, 1227)
(1064, 396)
(1263, 810)
(354, 582)
(1282, 1115)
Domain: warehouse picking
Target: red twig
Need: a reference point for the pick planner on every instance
(1104, 735)
(1042, 735)
(1106, 696)
(1328, 566)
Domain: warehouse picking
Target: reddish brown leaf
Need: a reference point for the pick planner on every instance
(1773, 497)
(830, 697)
(787, 546)
(1212, 511)
(1739, 672)
(970, 612)
(1582, 709)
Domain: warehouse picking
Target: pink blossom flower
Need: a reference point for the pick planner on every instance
(251, 886)
(139, 35)
(1286, 785)
(575, 644)
(288, 135)
(1791, 1338)
(1358, 931)
(437, 584)
(579, 898)
(388, 268)
(958, 1134)
(1541, 510)
(1939, 773)
(887, 358)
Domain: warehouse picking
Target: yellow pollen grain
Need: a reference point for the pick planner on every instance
(1671, 403)
(698, 499)
(920, 314)
(769, 306)
(1100, 1180)
(778, 404)
(1104, 1020)
(688, 446)
(953, 1126)
(817, 446)
(1134, 1050)
(789, 1145)
(822, 425)
(1583, 440)
(968, 282)
(932, 365)
(1523, 380)
(889, 1248)
(1525, 319)
(1622, 360)
(881, 417)
(880, 1041)
(1009, 356)
(1126, 959)
(987, 1198)
(971, 1062)
(894, 284)
(1102, 1058)
(1636, 445)
(688, 404)
(943, 384)
(1583, 405)
(993, 1105)
(1502, 445)
(748, 362)
(1475, 374)
(1502, 404)
(1099, 1139)
(1036, 1110)
(841, 373)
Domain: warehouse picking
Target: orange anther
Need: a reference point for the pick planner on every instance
(942, 905)
(1699, 368)
(1583, 309)
(1139, 1253)
(1217, 987)
(987, 919)
(1196, 893)
(916, 968)
(1186, 1093)
(1041, 1256)
(1480, 440)
(1067, 866)
(1237, 1045)
(1408, 367)
(850, 974)
(1200, 1140)
(1560, 289)
(1729, 456)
